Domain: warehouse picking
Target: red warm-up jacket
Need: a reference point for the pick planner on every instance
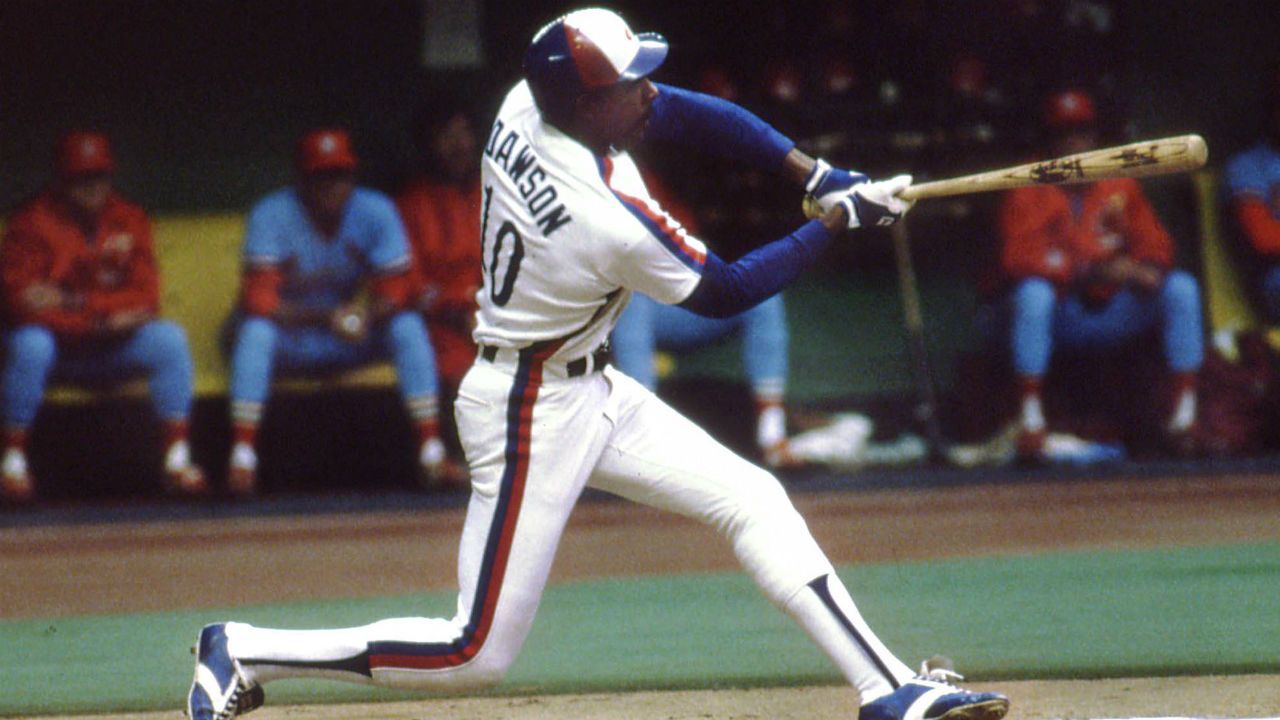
(113, 270)
(443, 224)
(1044, 234)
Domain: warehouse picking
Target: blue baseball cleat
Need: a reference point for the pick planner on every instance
(931, 697)
(219, 690)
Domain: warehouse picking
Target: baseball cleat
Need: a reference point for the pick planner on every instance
(242, 471)
(930, 698)
(219, 690)
(188, 480)
(16, 485)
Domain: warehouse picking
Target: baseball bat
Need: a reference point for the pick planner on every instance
(926, 407)
(1181, 153)
(1161, 156)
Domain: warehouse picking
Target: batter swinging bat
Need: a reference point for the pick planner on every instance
(1180, 153)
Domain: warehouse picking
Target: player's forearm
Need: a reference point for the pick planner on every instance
(797, 166)
(727, 289)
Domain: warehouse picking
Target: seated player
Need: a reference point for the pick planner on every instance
(326, 285)
(1252, 185)
(82, 300)
(440, 208)
(1090, 267)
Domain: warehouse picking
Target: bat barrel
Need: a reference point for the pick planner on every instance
(1146, 158)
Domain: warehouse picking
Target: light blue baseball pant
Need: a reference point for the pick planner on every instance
(648, 325)
(262, 346)
(157, 351)
(1041, 320)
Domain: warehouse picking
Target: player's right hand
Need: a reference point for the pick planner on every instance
(872, 204)
(350, 322)
(826, 185)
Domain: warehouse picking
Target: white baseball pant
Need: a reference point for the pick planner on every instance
(534, 438)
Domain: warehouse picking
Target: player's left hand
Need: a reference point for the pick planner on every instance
(826, 185)
(127, 320)
(877, 203)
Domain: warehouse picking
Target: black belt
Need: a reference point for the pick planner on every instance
(574, 368)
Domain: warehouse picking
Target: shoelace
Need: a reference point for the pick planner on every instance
(939, 674)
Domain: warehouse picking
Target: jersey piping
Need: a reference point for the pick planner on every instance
(659, 225)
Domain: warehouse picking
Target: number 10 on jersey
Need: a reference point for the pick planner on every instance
(500, 276)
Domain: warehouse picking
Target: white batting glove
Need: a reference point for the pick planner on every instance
(826, 185)
(873, 204)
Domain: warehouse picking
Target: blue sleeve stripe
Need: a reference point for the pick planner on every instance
(658, 225)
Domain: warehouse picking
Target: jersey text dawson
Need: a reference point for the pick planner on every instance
(523, 169)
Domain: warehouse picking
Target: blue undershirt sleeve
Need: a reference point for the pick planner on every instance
(710, 123)
(727, 289)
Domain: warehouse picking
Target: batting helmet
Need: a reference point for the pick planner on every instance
(584, 50)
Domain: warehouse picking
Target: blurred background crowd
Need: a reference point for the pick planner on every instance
(206, 108)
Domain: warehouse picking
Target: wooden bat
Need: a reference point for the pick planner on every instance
(1181, 153)
(1162, 156)
(926, 408)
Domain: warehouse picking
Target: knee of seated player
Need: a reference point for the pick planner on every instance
(32, 348)
(1034, 296)
(257, 332)
(167, 341)
(1181, 291)
(405, 330)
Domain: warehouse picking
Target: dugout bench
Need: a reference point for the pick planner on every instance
(98, 442)
(199, 258)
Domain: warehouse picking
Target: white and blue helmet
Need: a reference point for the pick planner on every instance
(584, 50)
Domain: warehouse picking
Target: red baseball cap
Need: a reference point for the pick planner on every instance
(1070, 108)
(82, 152)
(326, 149)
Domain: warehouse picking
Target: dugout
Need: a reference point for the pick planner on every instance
(204, 101)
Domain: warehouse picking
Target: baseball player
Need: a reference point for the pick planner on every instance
(440, 208)
(82, 299)
(1090, 266)
(1251, 183)
(569, 232)
(310, 252)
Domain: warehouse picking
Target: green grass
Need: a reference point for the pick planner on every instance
(1194, 611)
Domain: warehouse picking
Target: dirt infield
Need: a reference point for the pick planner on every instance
(78, 569)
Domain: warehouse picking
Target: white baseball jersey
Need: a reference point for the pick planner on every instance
(567, 236)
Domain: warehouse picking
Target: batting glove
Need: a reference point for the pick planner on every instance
(877, 203)
(826, 185)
